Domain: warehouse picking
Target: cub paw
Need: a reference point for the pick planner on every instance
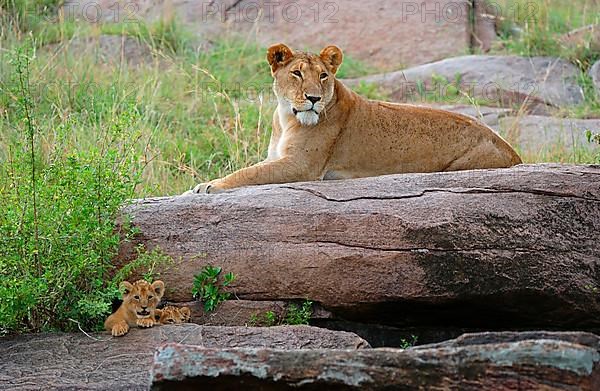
(145, 322)
(119, 329)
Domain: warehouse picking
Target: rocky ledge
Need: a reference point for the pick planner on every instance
(487, 361)
(101, 362)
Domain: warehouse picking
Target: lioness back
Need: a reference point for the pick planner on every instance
(385, 138)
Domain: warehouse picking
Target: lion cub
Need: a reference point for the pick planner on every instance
(172, 315)
(139, 304)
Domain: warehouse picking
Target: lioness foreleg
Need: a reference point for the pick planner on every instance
(277, 171)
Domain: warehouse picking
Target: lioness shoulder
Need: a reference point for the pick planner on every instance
(323, 130)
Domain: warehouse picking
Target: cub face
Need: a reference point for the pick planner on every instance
(303, 82)
(172, 315)
(141, 297)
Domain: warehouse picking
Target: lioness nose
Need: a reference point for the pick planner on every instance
(313, 99)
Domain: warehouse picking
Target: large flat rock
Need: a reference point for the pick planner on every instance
(541, 83)
(101, 362)
(532, 361)
(385, 34)
(506, 248)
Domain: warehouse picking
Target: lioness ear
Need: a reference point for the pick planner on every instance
(278, 55)
(126, 287)
(332, 57)
(159, 287)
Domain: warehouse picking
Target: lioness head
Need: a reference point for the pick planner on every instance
(304, 82)
(142, 297)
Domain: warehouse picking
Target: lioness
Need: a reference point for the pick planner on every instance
(323, 130)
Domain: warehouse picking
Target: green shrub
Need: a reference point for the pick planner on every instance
(57, 216)
(408, 343)
(207, 288)
(298, 314)
(265, 319)
(593, 137)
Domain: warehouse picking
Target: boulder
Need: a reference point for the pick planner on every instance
(539, 83)
(533, 361)
(594, 73)
(587, 37)
(538, 135)
(101, 362)
(384, 34)
(504, 248)
(109, 49)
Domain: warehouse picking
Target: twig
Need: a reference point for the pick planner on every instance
(87, 335)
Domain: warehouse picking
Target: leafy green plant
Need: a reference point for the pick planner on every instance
(298, 314)
(594, 138)
(58, 209)
(208, 289)
(407, 343)
(266, 319)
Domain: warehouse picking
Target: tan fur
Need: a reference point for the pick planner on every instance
(139, 303)
(346, 136)
(172, 315)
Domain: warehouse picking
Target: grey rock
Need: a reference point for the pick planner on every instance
(541, 83)
(535, 134)
(109, 49)
(487, 361)
(594, 73)
(101, 362)
(587, 37)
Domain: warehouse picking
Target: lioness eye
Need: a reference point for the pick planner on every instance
(323, 76)
(297, 73)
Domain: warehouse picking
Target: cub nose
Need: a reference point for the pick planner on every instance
(313, 99)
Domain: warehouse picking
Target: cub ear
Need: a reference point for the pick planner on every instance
(185, 312)
(159, 287)
(332, 57)
(278, 55)
(126, 287)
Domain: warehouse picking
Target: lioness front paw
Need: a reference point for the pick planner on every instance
(202, 188)
(211, 187)
(119, 329)
(145, 322)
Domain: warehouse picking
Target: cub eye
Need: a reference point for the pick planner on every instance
(136, 297)
(170, 321)
(297, 73)
(149, 297)
(323, 76)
